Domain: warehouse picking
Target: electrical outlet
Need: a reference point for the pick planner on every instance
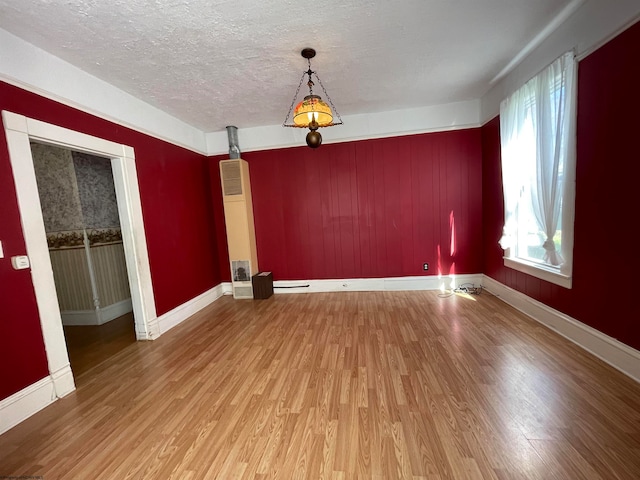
(425, 266)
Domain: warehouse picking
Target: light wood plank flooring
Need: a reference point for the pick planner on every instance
(90, 345)
(380, 385)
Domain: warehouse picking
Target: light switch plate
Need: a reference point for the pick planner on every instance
(20, 262)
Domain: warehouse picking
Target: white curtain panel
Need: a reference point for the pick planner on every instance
(517, 153)
(554, 90)
(538, 154)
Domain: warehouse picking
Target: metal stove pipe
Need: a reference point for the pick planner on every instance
(234, 148)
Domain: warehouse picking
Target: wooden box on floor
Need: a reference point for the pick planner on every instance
(262, 285)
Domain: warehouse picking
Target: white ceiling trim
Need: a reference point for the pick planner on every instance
(31, 68)
(453, 116)
(590, 27)
(541, 37)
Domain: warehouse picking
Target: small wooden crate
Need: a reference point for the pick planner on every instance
(262, 285)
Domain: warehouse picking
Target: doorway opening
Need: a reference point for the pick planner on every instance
(20, 132)
(80, 213)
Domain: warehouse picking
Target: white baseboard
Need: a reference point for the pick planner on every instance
(96, 317)
(74, 318)
(227, 288)
(179, 314)
(30, 400)
(115, 310)
(431, 282)
(63, 383)
(617, 354)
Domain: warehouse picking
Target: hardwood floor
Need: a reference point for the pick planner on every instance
(88, 345)
(378, 385)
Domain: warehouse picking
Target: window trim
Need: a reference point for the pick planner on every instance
(539, 271)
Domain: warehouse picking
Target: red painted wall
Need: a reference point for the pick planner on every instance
(176, 202)
(374, 208)
(22, 353)
(607, 173)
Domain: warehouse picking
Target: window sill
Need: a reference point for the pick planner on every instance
(547, 274)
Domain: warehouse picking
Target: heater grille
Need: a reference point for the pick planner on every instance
(231, 178)
(242, 292)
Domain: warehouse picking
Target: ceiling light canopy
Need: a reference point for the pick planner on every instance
(312, 112)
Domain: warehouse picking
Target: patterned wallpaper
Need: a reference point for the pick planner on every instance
(76, 192)
(77, 195)
(96, 190)
(57, 188)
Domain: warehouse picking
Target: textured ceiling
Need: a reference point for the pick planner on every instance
(218, 63)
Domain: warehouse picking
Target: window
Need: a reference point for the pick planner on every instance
(537, 132)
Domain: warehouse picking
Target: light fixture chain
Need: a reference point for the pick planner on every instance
(310, 81)
(293, 102)
(329, 98)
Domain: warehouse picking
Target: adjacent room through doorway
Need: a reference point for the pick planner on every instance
(84, 238)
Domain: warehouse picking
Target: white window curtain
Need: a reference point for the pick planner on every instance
(538, 154)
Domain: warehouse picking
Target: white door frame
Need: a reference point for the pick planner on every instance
(19, 131)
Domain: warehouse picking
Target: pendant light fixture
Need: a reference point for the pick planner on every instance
(312, 112)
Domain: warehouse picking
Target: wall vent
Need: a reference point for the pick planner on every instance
(242, 292)
(231, 178)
